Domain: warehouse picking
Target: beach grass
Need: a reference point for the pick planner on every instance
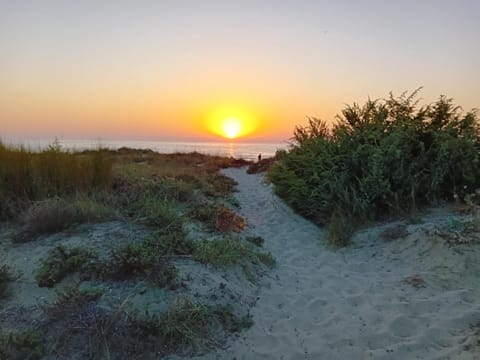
(26, 175)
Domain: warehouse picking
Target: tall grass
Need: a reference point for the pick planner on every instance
(26, 175)
(383, 158)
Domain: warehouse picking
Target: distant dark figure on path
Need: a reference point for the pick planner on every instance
(259, 157)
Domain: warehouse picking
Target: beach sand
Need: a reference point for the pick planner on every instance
(409, 298)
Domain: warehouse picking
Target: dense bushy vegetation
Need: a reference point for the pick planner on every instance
(385, 157)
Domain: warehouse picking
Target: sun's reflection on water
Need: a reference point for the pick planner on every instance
(231, 150)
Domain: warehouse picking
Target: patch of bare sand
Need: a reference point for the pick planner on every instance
(359, 302)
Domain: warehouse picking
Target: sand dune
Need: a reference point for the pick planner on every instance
(356, 303)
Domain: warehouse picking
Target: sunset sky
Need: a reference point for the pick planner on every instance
(176, 69)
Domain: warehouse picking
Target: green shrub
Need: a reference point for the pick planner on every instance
(385, 158)
(24, 345)
(228, 251)
(61, 262)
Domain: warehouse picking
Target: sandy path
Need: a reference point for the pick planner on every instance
(352, 303)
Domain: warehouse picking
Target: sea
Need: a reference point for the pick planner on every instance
(238, 150)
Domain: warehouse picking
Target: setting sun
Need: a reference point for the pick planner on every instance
(231, 122)
(231, 127)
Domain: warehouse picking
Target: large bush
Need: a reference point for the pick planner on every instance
(385, 157)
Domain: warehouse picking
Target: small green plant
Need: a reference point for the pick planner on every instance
(217, 217)
(229, 320)
(394, 232)
(21, 345)
(175, 243)
(61, 262)
(233, 201)
(162, 214)
(219, 185)
(458, 226)
(188, 324)
(415, 281)
(141, 259)
(70, 299)
(228, 251)
(255, 240)
(414, 220)
(6, 276)
(340, 229)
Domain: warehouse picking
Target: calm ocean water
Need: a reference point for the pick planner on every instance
(248, 151)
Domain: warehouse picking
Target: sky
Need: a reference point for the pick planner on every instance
(173, 70)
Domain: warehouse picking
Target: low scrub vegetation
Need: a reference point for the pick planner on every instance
(384, 158)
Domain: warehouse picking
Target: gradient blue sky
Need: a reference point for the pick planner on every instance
(159, 69)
